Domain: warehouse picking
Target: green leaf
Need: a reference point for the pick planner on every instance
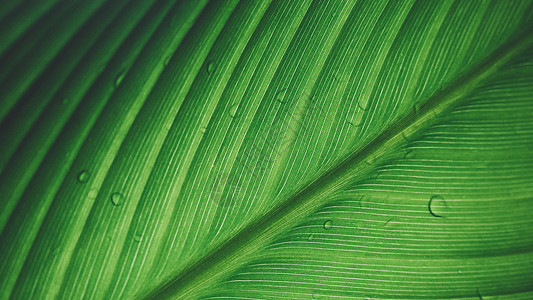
(266, 149)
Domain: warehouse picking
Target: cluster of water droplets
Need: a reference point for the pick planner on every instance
(116, 199)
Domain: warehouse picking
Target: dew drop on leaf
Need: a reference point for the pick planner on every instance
(280, 96)
(167, 60)
(328, 224)
(116, 199)
(210, 67)
(437, 206)
(119, 78)
(137, 237)
(310, 237)
(203, 129)
(409, 154)
(83, 176)
(109, 239)
(233, 110)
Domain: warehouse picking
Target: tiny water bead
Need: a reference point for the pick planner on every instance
(437, 206)
(167, 60)
(361, 106)
(233, 110)
(203, 129)
(119, 78)
(409, 154)
(83, 176)
(138, 237)
(109, 239)
(116, 199)
(328, 224)
(310, 237)
(280, 95)
(210, 67)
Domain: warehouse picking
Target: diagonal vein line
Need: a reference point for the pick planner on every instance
(240, 249)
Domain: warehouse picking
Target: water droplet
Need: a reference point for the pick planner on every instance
(210, 67)
(119, 78)
(109, 239)
(310, 237)
(116, 199)
(138, 237)
(83, 176)
(409, 154)
(479, 294)
(203, 129)
(233, 110)
(362, 107)
(328, 224)
(167, 60)
(280, 96)
(437, 206)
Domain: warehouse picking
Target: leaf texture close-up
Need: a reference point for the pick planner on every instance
(224, 149)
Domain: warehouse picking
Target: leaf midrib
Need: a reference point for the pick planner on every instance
(237, 250)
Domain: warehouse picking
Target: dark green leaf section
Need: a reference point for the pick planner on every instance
(266, 149)
(62, 102)
(81, 53)
(48, 178)
(21, 70)
(17, 17)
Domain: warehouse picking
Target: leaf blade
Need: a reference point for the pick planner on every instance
(257, 121)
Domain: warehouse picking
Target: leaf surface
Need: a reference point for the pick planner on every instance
(267, 150)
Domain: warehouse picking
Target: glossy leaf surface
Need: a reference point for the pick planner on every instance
(266, 149)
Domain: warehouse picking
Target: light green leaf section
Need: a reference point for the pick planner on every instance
(266, 149)
(452, 219)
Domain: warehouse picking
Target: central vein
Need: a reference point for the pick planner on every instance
(241, 248)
